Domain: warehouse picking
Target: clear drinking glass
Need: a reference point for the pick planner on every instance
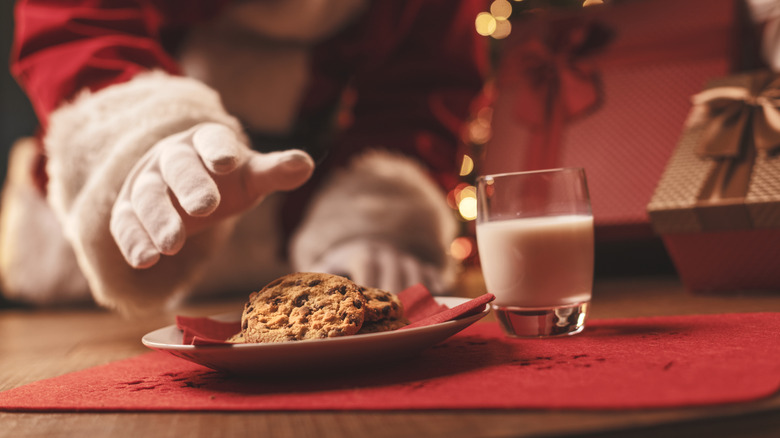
(535, 241)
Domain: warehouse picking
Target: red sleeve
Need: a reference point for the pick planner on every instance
(63, 46)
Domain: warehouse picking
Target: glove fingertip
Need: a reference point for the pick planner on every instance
(224, 164)
(201, 202)
(143, 258)
(218, 147)
(172, 242)
(288, 172)
(296, 158)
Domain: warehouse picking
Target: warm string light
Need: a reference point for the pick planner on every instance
(496, 23)
(479, 128)
(466, 166)
(462, 248)
(467, 203)
(463, 198)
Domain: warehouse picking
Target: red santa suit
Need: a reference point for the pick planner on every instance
(111, 80)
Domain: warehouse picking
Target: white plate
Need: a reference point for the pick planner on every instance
(287, 357)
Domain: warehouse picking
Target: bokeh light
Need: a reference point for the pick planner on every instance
(467, 207)
(462, 248)
(466, 192)
(501, 9)
(503, 29)
(495, 23)
(464, 199)
(485, 23)
(479, 129)
(466, 166)
(453, 195)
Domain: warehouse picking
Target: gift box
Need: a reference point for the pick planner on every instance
(608, 89)
(717, 205)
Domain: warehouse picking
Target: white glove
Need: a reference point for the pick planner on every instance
(190, 181)
(379, 264)
(382, 222)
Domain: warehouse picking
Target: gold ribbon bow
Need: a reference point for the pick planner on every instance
(730, 109)
(740, 121)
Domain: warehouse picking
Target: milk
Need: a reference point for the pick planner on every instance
(539, 261)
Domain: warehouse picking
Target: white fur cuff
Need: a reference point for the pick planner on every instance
(384, 197)
(92, 144)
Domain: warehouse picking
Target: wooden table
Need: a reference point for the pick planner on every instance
(38, 344)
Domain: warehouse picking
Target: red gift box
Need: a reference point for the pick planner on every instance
(608, 89)
(717, 205)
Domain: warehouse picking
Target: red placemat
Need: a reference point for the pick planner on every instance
(656, 362)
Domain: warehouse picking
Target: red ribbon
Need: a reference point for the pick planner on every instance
(555, 80)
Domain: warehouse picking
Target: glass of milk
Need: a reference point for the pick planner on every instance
(535, 241)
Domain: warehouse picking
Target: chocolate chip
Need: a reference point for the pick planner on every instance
(358, 304)
(301, 299)
(245, 324)
(383, 298)
(386, 310)
(343, 289)
(314, 283)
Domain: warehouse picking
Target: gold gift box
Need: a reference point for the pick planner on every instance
(717, 205)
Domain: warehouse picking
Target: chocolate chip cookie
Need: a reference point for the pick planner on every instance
(302, 306)
(381, 305)
(382, 326)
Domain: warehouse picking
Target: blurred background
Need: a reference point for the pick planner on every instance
(16, 115)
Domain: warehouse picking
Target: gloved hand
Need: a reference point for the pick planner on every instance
(190, 181)
(379, 264)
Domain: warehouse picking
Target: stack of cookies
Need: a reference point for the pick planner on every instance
(308, 305)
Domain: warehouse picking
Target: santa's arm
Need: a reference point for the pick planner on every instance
(126, 139)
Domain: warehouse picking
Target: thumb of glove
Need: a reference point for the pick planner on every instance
(277, 171)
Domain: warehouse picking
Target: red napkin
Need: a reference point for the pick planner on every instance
(420, 308)
(205, 331)
(659, 362)
(418, 303)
